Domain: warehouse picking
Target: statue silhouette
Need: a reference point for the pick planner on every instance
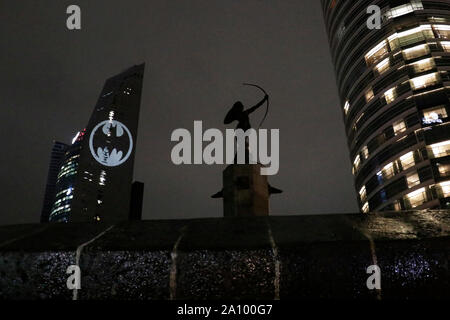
(239, 114)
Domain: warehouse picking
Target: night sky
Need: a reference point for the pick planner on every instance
(197, 53)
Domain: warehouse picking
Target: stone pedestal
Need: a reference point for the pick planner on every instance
(245, 191)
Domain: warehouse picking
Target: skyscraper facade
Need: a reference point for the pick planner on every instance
(94, 182)
(394, 85)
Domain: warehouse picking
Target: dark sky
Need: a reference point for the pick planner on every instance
(198, 54)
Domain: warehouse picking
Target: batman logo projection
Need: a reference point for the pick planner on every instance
(111, 143)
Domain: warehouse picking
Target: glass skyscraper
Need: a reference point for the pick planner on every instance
(94, 180)
(394, 85)
(56, 159)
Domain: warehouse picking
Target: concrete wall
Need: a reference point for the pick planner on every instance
(232, 258)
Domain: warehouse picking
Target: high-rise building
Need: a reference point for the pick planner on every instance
(394, 85)
(94, 182)
(56, 159)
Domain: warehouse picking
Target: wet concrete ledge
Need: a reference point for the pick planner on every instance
(291, 257)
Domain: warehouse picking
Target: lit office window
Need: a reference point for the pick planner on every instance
(346, 107)
(357, 162)
(444, 169)
(434, 115)
(365, 152)
(374, 55)
(407, 160)
(390, 95)
(424, 81)
(417, 198)
(365, 207)
(383, 66)
(441, 149)
(443, 31)
(388, 171)
(413, 179)
(102, 179)
(423, 65)
(369, 95)
(399, 127)
(410, 37)
(404, 9)
(363, 194)
(444, 188)
(67, 192)
(416, 52)
(446, 45)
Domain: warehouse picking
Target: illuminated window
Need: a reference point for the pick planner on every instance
(434, 115)
(444, 189)
(444, 169)
(407, 160)
(65, 199)
(383, 66)
(374, 55)
(363, 194)
(416, 52)
(411, 36)
(443, 31)
(357, 162)
(346, 107)
(102, 179)
(397, 206)
(446, 45)
(369, 95)
(399, 127)
(365, 207)
(412, 179)
(417, 198)
(365, 152)
(387, 172)
(424, 81)
(439, 150)
(65, 192)
(404, 9)
(423, 65)
(390, 95)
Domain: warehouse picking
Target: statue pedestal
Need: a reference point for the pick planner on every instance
(245, 191)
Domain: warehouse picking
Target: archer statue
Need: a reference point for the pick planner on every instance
(239, 114)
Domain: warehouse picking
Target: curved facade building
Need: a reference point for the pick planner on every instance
(394, 85)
